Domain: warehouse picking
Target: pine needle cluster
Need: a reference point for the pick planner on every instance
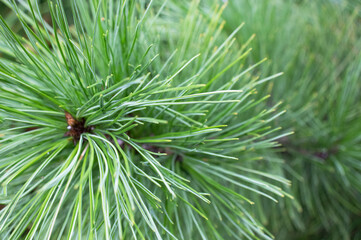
(127, 120)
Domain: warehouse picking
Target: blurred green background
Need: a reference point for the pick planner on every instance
(317, 46)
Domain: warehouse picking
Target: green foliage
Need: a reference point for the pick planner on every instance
(315, 44)
(124, 120)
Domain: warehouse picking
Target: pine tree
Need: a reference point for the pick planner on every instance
(132, 120)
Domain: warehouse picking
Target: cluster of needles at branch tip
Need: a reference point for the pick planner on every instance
(76, 127)
(165, 126)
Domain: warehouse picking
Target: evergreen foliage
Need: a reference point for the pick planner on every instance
(316, 44)
(160, 119)
(132, 120)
